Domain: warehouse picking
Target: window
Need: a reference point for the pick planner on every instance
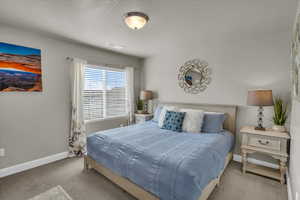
(104, 93)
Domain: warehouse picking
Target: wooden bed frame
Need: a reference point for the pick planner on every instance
(142, 194)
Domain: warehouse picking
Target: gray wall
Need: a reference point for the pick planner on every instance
(35, 125)
(246, 62)
(295, 149)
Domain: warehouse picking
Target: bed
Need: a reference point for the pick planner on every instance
(152, 163)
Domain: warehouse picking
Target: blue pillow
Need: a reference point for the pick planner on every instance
(213, 122)
(157, 113)
(173, 121)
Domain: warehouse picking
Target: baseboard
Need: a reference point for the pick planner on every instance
(32, 164)
(289, 186)
(238, 158)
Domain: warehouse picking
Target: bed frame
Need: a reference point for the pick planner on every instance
(142, 194)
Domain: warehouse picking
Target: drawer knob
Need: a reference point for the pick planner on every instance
(263, 143)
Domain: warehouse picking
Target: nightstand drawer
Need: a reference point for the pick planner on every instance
(264, 143)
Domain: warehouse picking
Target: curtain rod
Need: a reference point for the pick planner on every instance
(103, 64)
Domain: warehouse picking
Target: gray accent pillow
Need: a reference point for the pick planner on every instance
(213, 122)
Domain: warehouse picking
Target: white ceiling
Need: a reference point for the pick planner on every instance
(173, 23)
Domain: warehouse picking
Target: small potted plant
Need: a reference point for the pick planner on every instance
(140, 106)
(280, 115)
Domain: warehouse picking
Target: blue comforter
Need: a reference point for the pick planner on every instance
(171, 165)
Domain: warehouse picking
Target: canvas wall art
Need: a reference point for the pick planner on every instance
(296, 60)
(20, 69)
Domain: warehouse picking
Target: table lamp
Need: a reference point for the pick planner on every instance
(260, 98)
(146, 95)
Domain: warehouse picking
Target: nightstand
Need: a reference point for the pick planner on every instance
(140, 118)
(266, 142)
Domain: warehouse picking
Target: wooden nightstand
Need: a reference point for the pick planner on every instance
(140, 118)
(267, 142)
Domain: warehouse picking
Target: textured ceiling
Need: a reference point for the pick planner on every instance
(173, 23)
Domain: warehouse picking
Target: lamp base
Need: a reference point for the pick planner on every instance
(260, 116)
(145, 110)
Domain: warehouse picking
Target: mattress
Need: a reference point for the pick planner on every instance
(171, 165)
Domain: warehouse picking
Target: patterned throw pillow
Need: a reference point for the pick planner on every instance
(163, 112)
(173, 121)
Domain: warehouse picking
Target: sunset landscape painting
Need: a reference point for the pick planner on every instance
(20, 69)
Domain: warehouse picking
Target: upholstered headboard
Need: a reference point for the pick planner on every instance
(229, 110)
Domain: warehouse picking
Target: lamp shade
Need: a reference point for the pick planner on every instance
(146, 95)
(260, 98)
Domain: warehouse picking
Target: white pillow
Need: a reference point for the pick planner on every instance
(163, 114)
(193, 120)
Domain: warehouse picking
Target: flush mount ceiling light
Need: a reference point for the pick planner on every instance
(136, 20)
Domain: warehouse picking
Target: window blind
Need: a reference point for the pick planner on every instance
(104, 93)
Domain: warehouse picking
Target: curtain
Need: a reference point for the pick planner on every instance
(77, 137)
(130, 93)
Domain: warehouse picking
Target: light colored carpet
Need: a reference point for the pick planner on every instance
(82, 185)
(56, 193)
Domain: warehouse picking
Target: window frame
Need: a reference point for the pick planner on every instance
(108, 69)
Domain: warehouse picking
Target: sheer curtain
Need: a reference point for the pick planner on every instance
(130, 93)
(77, 137)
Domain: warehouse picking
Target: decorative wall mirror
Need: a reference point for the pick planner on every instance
(194, 76)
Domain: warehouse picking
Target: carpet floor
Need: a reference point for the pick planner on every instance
(81, 185)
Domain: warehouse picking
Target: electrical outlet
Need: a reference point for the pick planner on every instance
(2, 152)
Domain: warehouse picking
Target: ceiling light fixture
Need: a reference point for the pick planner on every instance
(136, 20)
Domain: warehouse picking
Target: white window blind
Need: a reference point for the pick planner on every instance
(104, 94)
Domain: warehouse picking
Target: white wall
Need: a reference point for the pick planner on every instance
(240, 64)
(35, 125)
